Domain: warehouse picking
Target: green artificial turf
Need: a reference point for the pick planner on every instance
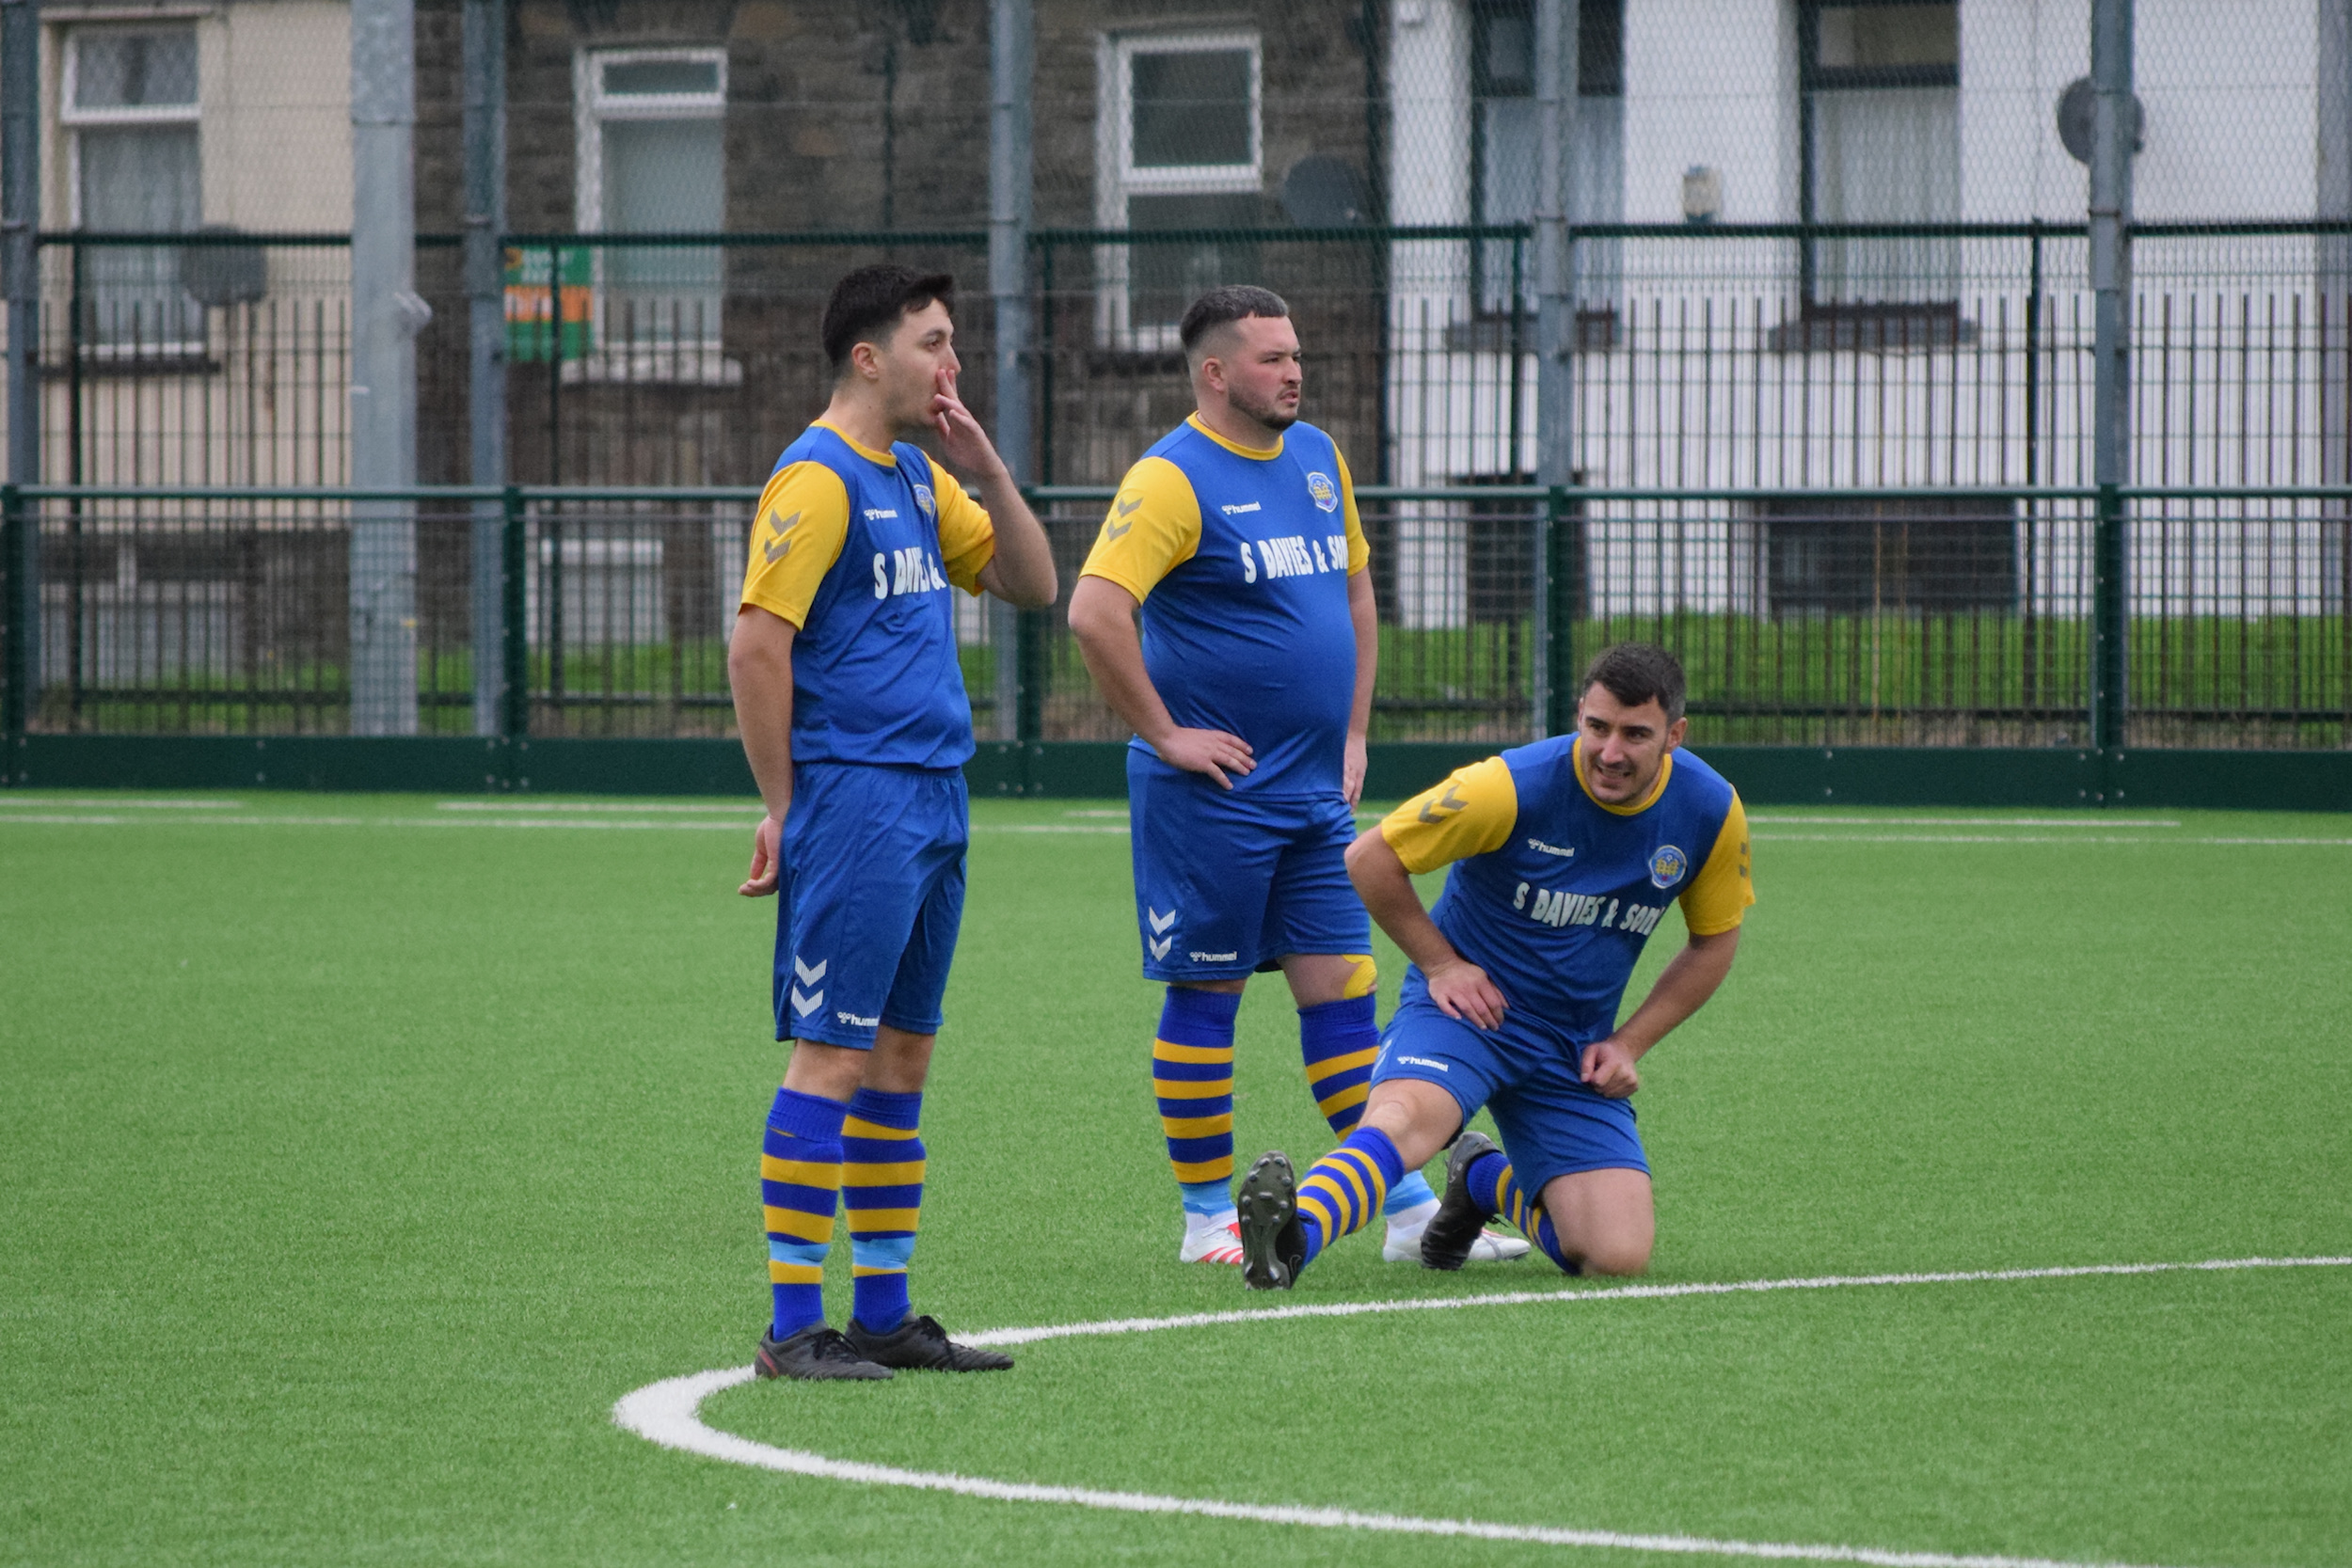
(356, 1156)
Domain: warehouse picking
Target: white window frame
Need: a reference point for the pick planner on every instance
(591, 107)
(1118, 178)
(73, 119)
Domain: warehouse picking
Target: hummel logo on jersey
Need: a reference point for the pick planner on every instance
(1212, 958)
(856, 1023)
(778, 547)
(1160, 922)
(1434, 812)
(1542, 849)
(875, 513)
(1238, 511)
(1423, 1061)
(805, 1004)
(1119, 523)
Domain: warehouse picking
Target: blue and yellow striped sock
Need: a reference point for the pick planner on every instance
(1339, 1041)
(1342, 1190)
(1192, 1074)
(1495, 1188)
(882, 1187)
(799, 1183)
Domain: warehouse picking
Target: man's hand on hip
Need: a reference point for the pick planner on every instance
(1462, 989)
(1210, 751)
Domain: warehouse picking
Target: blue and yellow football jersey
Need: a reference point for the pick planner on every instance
(1553, 894)
(858, 549)
(1241, 557)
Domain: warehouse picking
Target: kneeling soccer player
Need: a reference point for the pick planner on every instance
(1564, 855)
(853, 710)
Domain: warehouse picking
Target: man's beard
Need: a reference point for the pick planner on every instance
(1267, 415)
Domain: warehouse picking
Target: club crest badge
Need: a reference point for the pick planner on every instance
(1326, 493)
(924, 499)
(1667, 866)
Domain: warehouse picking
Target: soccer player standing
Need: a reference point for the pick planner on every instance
(1564, 855)
(852, 711)
(1249, 691)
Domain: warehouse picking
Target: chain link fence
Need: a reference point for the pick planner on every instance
(1830, 390)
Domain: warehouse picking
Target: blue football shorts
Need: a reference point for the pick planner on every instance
(869, 900)
(1227, 881)
(1525, 1073)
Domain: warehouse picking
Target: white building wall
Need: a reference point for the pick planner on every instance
(2228, 384)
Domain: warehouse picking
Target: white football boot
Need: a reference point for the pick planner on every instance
(1402, 1242)
(1217, 1238)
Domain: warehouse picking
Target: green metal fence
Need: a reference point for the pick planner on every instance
(1954, 618)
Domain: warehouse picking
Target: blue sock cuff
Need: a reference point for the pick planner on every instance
(1372, 1141)
(1193, 1016)
(806, 1115)
(1346, 1018)
(1207, 1198)
(1485, 1181)
(902, 1112)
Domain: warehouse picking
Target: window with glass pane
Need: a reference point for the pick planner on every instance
(1883, 101)
(660, 163)
(131, 115)
(1192, 109)
(1180, 152)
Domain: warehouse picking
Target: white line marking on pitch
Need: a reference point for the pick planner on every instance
(736, 808)
(669, 1413)
(1971, 821)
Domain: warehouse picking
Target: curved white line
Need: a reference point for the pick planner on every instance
(668, 1413)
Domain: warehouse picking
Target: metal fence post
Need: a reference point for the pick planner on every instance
(20, 263)
(1556, 27)
(15, 703)
(514, 647)
(485, 291)
(2110, 215)
(386, 316)
(1036, 663)
(1009, 192)
(1565, 579)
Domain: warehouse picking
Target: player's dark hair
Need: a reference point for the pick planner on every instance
(1225, 305)
(1638, 672)
(867, 305)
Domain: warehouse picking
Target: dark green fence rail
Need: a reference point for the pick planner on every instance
(1939, 618)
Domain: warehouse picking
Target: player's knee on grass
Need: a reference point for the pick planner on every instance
(1605, 1220)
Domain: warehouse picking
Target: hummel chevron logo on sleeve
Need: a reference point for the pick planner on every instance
(807, 1005)
(1120, 518)
(810, 976)
(1444, 806)
(1159, 948)
(778, 547)
(1160, 922)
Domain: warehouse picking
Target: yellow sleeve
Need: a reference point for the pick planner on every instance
(967, 539)
(1359, 552)
(1153, 528)
(1470, 814)
(797, 534)
(1718, 897)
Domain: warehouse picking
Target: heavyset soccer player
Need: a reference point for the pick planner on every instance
(853, 715)
(1564, 855)
(1249, 690)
